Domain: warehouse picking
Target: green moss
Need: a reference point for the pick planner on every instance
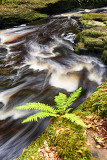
(71, 138)
(67, 143)
(95, 32)
(95, 16)
(22, 11)
(94, 40)
(97, 102)
(104, 38)
(80, 48)
(104, 56)
(94, 19)
(92, 23)
(16, 12)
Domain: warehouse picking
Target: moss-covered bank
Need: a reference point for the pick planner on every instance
(15, 12)
(68, 137)
(93, 41)
(67, 142)
(97, 102)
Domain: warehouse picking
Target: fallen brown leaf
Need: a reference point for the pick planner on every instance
(56, 155)
(87, 143)
(79, 151)
(86, 121)
(102, 144)
(59, 131)
(89, 116)
(48, 151)
(104, 90)
(104, 138)
(95, 121)
(67, 129)
(89, 125)
(98, 146)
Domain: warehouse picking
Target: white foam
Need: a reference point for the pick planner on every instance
(59, 77)
(16, 114)
(69, 83)
(5, 95)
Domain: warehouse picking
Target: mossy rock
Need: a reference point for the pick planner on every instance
(104, 38)
(92, 32)
(94, 19)
(95, 32)
(90, 23)
(94, 40)
(95, 16)
(104, 56)
(81, 49)
(97, 102)
(67, 143)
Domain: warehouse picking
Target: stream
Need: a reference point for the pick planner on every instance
(37, 61)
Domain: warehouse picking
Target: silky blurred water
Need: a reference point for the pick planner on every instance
(37, 61)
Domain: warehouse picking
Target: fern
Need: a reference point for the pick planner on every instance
(39, 115)
(62, 104)
(36, 106)
(73, 118)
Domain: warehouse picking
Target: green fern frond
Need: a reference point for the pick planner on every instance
(73, 96)
(40, 115)
(73, 118)
(67, 111)
(36, 106)
(60, 100)
(63, 102)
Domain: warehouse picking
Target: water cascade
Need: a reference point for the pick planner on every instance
(37, 61)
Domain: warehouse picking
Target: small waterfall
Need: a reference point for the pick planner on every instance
(37, 61)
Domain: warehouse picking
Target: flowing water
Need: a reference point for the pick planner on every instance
(37, 61)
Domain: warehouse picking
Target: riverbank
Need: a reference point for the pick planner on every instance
(93, 39)
(19, 12)
(65, 140)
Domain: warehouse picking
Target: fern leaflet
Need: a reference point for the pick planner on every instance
(36, 106)
(73, 97)
(39, 115)
(60, 100)
(73, 118)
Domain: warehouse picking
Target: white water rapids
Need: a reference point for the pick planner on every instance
(37, 61)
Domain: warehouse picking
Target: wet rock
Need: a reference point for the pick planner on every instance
(94, 17)
(94, 41)
(92, 23)
(104, 55)
(76, 15)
